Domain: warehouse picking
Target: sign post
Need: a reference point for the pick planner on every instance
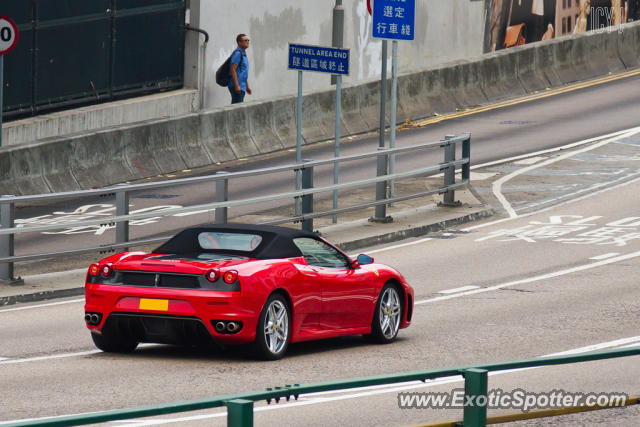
(319, 59)
(8, 40)
(393, 20)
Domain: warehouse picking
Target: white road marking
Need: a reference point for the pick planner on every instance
(600, 346)
(401, 245)
(497, 185)
(557, 205)
(62, 355)
(50, 357)
(49, 304)
(553, 150)
(532, 279)
(461, 289)
(529, 161)
(3, 358)
(604, 256)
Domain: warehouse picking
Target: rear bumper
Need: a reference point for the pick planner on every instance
(167, 316)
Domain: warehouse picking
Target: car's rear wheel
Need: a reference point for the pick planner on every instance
(111, 343)
(273, 331)
(388, 315)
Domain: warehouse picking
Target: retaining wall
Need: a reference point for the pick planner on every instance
(160, 146)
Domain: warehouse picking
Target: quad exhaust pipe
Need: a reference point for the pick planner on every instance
(93, 318)
(232, 327)
(226, 327)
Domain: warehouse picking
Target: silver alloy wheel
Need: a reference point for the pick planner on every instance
(276, 326)
(390, 313)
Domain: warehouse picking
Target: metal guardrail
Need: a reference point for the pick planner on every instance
(304, 197)
(240, 406)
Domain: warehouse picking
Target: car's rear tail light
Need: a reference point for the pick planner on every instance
(212, 275)
(94, 269)
(231, 276)
(106, 270)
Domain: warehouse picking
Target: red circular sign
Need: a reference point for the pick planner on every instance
(8, 34)
(369, 7)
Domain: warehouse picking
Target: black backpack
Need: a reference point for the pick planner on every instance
(223, 74)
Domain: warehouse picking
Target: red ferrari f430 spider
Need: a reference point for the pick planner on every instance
(240, 284)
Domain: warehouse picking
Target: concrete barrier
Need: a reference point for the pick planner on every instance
(369, 94)
(284, 120)
(100, 158)
(318, 116)
(189, 144)
(354, 120)
(213, 136)
(499, 76)
(629, 46)
(236, 124)
(192, 140)
(461, 80)
(531, 69)
(262, 127)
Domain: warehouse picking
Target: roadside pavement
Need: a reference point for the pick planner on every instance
(411, 218)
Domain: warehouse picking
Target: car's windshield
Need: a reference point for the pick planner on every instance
(228, 241)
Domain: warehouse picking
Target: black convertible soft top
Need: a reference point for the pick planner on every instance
(277, 242)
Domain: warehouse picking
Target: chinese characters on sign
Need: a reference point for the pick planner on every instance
(320, 59)
(575, 230)
(394, 19)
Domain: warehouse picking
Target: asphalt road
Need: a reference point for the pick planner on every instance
(559, 278)
(496, 134)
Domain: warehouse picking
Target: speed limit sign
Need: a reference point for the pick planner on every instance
(8, 34)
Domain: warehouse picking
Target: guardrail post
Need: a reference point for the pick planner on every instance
(239, 413)
(122, 208)
(7, 216)
(448, 198)
(466, 154)
(475, 391)
(307, 200)
(380, 214)
(222, 195)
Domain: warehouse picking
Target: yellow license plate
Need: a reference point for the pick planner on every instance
(154, 304)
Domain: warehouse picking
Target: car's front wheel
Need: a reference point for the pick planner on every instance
(273, 331)
(388, 315)
(112, 343)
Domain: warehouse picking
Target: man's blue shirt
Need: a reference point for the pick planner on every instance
(239, 57)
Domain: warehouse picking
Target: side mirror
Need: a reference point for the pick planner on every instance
(364, 259)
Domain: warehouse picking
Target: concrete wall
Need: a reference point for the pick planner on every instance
(218, 135)
(445, 31)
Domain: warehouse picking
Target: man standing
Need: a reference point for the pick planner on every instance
(239, 83)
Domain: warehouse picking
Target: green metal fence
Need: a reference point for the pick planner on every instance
(240, 406)
(73, 52)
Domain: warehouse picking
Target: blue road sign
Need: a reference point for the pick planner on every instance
(394, 19)
(329, 60)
